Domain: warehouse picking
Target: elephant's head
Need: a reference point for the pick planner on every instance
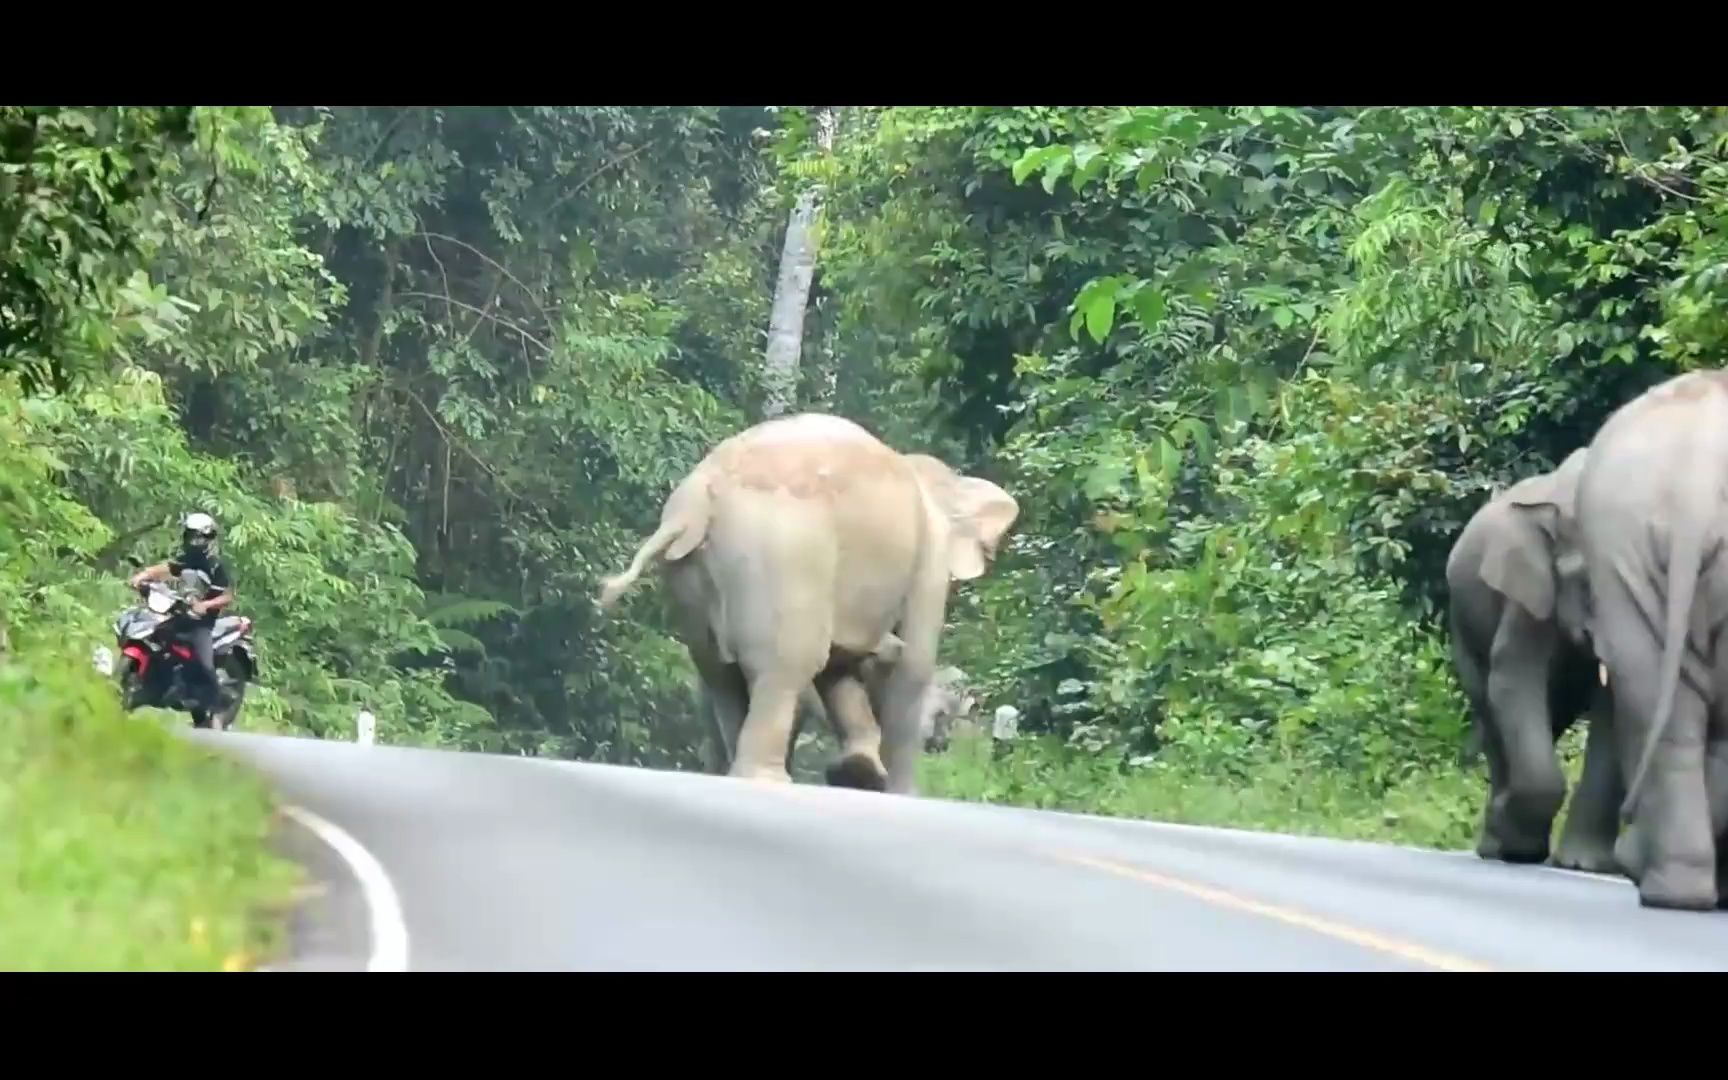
(978, 513)
(1537, 565)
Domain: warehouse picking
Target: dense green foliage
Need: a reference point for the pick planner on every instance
(1247, 369)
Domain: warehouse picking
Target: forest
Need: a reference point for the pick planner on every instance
(1248, 370)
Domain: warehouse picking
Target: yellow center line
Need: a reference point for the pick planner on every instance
(1404, 950)
(1368, 939)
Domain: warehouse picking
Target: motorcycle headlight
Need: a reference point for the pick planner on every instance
(160, 602)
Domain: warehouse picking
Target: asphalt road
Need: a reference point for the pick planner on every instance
(451, 861)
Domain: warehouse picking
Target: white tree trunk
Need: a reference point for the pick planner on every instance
(792, 291)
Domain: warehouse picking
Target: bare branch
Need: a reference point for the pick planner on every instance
(591, 177)
(1640, 170)
(452, 439)
(499, 319)
(449, 314)
(496, 265)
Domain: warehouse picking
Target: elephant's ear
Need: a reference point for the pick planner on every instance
(1518, 561)
(979, 514)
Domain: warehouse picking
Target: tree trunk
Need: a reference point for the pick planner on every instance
(792, 291)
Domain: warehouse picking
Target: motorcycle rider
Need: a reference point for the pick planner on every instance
(198, 533)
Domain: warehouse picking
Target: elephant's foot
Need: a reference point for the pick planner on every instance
(1629, 854)
(774, 774)
(1487, 844)
(1682, 889)
(1504, 845)
(1681, 885)
(859, 770)
(1589, 856)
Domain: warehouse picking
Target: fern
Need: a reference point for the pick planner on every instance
(454, 610)
(461, 641)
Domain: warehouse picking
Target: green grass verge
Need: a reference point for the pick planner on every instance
(1438, 808)
(123, 846)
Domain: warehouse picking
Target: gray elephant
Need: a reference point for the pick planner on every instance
(1653, 520)
(791, 552)
(1517, 609)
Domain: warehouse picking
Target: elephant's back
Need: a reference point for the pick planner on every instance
(809, 456)
(843, 511)
(1643, 456)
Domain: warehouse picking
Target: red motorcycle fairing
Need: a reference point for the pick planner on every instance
(184, 652)
(139, 655)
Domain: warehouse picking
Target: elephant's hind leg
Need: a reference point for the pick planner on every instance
(848, 704)
(1669, 851)
(767, 731)
(1716, 768)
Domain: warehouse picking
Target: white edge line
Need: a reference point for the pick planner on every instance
(388, 930)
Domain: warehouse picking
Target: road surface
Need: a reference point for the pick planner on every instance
(436, 860)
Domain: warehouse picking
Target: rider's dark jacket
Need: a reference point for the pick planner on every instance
(196, 559)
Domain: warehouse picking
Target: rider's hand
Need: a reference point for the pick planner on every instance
(199, 607)
(138, 579)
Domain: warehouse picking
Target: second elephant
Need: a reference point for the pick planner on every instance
(1517, 609)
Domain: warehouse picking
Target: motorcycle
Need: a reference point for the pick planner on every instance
(156, 669)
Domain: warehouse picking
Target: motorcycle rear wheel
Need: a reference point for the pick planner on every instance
(233, 690)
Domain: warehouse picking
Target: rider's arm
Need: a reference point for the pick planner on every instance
(214, 603)
(221, 593)
(162, 571)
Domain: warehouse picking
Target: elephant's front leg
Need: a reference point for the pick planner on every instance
(854, 722)
(1520, 816)
(899, 693)
(1593, 820)
(724, 701)
(1473, 678)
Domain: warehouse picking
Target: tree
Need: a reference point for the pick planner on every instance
(792, 288)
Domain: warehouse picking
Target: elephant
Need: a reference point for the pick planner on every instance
(946, 705)
(1517, 612)
(792, 551)
(1652, 522)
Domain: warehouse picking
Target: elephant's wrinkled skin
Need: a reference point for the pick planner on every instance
(792, 552)
(1518, 644)
(1652, 516)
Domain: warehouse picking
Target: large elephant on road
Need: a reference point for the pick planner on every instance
(1652, 525)
(792, 552)
(1518, 605)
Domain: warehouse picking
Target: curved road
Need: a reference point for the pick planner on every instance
(453, 861)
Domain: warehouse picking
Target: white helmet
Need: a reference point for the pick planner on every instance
(198, 530)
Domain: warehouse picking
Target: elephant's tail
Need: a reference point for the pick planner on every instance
(1695, 514)
(683, 526)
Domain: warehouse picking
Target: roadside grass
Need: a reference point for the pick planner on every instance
(122, 846)
(1435, 807)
